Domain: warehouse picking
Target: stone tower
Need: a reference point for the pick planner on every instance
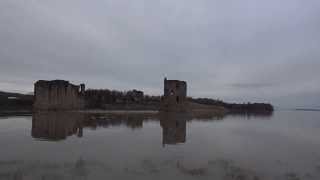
(58, 95)
(175, 96)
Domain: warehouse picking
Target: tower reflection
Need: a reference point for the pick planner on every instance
(174, 128)
(55, 126)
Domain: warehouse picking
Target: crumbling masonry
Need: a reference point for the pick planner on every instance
(58, 95)
(62, 95)
(175, 96)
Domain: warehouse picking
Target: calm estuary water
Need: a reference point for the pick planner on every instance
(285, 145)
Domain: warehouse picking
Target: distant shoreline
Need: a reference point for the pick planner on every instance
(306, 109)
(117, 101)
(15, 112)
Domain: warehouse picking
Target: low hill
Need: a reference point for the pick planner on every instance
(15, 101)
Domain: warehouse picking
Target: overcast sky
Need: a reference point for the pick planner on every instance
(235, 50)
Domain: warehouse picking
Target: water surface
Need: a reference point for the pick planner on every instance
(285, 145)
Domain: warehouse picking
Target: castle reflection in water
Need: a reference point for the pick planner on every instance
(57, 126)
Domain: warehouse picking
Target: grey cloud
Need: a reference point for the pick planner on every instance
(251, 85)
(235, 50)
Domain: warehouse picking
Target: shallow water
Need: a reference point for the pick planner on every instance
(285, 145)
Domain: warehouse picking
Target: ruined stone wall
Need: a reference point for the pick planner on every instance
(175, 96)
(58, 95)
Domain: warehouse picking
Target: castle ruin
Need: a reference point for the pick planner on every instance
(175, 96)
(58, 95)
(63, 96)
